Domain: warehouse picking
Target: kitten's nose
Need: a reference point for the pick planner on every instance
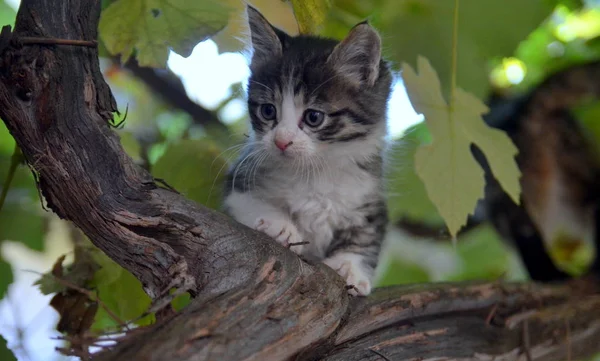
(283, 144)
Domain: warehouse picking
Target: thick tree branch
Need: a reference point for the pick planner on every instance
(254, 300)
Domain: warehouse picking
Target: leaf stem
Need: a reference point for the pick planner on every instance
(16, 158)
(454, 54)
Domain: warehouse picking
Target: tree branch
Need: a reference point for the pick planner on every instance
(254, 300)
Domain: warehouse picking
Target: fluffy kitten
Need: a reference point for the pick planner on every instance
(312, 168)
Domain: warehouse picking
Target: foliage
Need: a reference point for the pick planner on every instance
(180, 166)
(7, 15)
(425, 27)
(311, 14)
(6, 277)
(454, 180)
(278, 12)
(407, 197)
(152, 27)
(5, 353)
(121, 292)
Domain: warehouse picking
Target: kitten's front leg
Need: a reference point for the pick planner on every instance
(354, 253)
(263, 217)
(352, 268)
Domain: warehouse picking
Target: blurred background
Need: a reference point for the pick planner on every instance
(183, 120)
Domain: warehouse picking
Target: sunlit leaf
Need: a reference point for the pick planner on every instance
(310, 14)
(453, 179)
(196, 168)
(424, 27)
(6, 277)
(5, 353)
(7, 15)
(152, 27)
(570, 254)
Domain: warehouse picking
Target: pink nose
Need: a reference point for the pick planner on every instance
(282, 144)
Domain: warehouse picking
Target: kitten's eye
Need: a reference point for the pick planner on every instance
(313, 118)
(268, 111)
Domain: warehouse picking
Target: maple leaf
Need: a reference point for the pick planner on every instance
(153, 27)
(453, 179)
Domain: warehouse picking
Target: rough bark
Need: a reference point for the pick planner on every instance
(254, 300)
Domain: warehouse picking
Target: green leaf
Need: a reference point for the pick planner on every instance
(407, 196)
(22, 222)
(181, 301)
(484, 255)
(120, 291)
(152, 27)
(6, 277)
(401, 272)
(310, 14)
(483, 34)
(131, 145)
(5, 353)
(453, 179)
(196, 168)
(7, 15)
(48, 284)
(21, 216)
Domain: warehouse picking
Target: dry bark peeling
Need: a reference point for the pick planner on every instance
(254, 300)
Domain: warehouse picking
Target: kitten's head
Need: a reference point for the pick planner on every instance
(312, 96)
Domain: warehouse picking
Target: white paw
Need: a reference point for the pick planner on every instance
(348, 265)
(282, 231)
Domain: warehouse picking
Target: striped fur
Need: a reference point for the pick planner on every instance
(325, 187)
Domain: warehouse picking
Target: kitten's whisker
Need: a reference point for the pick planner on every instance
(250, 174)
(251, 154)
(323, 83)
(263, 85)
(232, 148)
(260, 158)
(227, 162)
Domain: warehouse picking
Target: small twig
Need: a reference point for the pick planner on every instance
(439, 233)
(16, 158)
(91, 296)
(526, 340)
(352, 287)
(121, 123)
(164, 183)
(568, 340)
(379, 354)
(490, 316)
(298, 243)
(53, 41)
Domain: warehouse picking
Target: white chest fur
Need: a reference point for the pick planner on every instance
(322, 202)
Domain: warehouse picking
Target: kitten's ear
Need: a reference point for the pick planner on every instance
(267, 41)
(357, 57)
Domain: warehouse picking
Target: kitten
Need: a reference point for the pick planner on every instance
(312, 168)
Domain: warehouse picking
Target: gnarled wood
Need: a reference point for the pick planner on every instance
(254, 300)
